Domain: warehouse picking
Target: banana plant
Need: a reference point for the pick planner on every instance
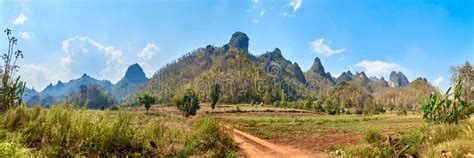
(446, 110)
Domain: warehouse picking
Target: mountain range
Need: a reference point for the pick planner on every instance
(244, 77)
(133, 79)
(267, 77)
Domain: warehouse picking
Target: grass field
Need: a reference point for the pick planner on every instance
(66, 132)
(27, 132)
(319, 133)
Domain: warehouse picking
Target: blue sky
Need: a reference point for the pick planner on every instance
(62, 40)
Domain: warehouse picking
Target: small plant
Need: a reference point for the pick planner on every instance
(372, 137)
(189, 104)
(446, 110)
(146, 100)
(215, 93)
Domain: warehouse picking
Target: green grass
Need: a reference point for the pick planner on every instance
(320, 125)
(66, 131)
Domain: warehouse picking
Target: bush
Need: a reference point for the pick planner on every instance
(372, 137)
(114, 108)
(402, 111)
(189, 104)
(330, 108)
(208, 137)
(317, 106)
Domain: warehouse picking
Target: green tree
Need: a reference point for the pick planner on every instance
(91, 96)
(330, 107)
(146, 100)
(12, 87)
(215, 93)
(189, 104)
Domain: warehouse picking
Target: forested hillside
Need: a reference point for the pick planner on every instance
(270, 77)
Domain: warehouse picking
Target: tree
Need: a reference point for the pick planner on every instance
(189, 104)
(12, 87)
(465, 74)
(146, 100)
(91, 96)
(330, 107)
(215, 93)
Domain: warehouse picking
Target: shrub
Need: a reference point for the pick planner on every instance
(114, 108)
(215, 93)
(330, 108)
(208, 137)
(317, 106)
(189, 104)
(402, 111)
(413, 140)
(372, 137)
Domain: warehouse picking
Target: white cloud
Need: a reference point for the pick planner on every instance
(38, 76)
(321, 47)
(378, 68)
(295, 4)
(262, 12)
(148, 52)
(85, 55)
(20, 20)
(81, 54)
(255, 21)
(25, 35)
(438, 81)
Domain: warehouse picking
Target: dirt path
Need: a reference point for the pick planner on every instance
(252, 146)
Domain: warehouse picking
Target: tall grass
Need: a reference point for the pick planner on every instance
(433, 140)
(65, 131)
(211, 139)
(450, 140)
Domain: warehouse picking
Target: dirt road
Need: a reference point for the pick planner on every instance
(252, 146)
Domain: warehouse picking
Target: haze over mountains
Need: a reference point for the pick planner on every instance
(133, 79)
(245, 77)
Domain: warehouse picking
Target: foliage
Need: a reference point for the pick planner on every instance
(330, 107)
(189, 104)
(12, 88)
(446, 110)
(372, 137)
(146, 100)
(91, 96)
(209, 138)
(12, 150)
(465, 74)
(215, 93)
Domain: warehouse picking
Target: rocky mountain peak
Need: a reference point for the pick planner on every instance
(239, 40)
(398, 79)
(135, 73)
(318, 67)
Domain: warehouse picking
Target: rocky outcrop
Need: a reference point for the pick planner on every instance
(398, 79)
